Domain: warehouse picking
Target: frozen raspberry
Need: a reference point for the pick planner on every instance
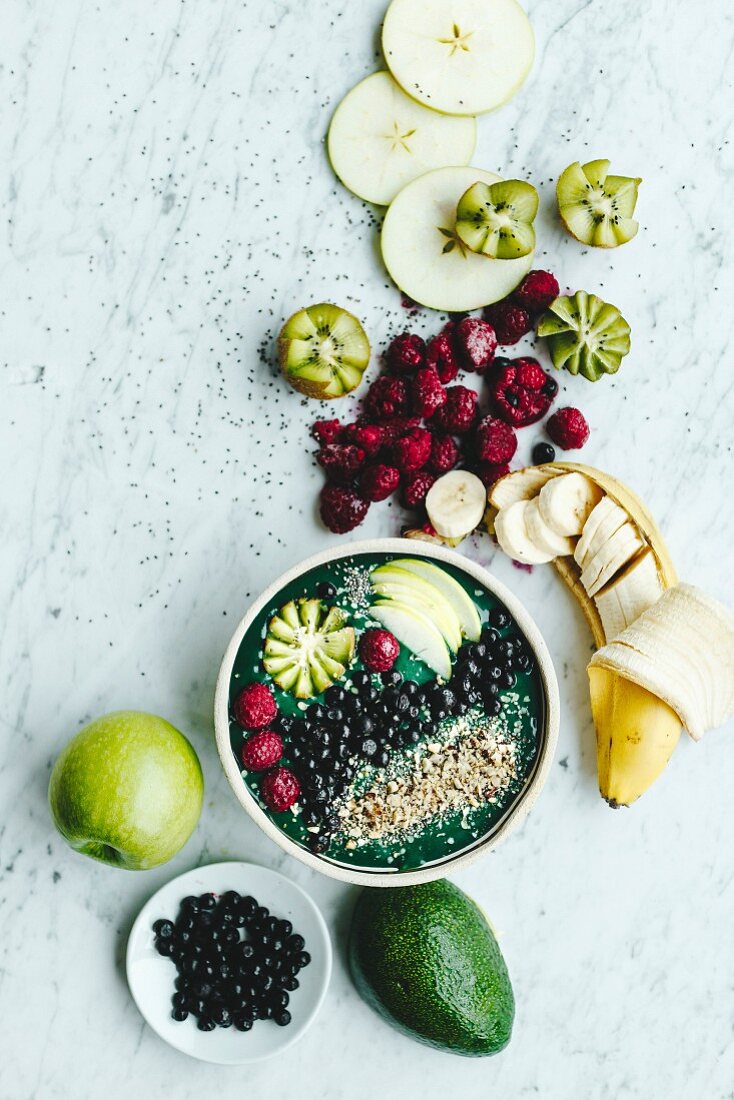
(489, 472)
(280, 789)
(387, 397)
(517, 393)
(397, 428)
(494, 442)
(416, 487)
(441, 354)
(341, 462)
(406, 353)
(261, 751)
(568, 429)
(379, 482)
(255, 707)
(341, 509)
(476, 342)
(458, 413)
(444, 454)
(412, 451)
(536, 292)
(509, 321)
(379, 650)
(426, 393)
(327, 431)
(367, 436)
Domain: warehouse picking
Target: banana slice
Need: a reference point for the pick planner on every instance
(380, 139)
(544, 537)
(682, 651)
(610, 558)
(630, 594)
(512, 534)
(603, 522)
(520, 485)
(566, 502)
(455, 504)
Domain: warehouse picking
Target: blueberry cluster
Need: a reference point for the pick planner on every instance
(381, 713)
(236, 962)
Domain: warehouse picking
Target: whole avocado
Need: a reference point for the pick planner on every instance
(425, 958)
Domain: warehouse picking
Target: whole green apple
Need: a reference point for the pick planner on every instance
(127, 790)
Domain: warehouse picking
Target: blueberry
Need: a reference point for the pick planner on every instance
(325, 590)
(361, 679)
(222, 1017)
(164, 947)
(295, 944)
(369, 748)
(365, 724)
(495, 672)
(190, 904)
(207, 902)
(499, 618)
(180, 1014)
(303, 959)
(494, 706)
(550, 389)
(508, 679)
(290, 984)
(383, 758)
(163, 929)
(264, 1011)
(205, 1023)
(242, 1023)
(335, 695)
(410, 687)
(391, 678)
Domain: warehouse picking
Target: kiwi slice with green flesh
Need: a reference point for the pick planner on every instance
(597, 208)
(496, 219)
(323, 351)
(585, 335)
(307, 647)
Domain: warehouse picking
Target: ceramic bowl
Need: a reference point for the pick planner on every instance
(150, 975)
(547, 734)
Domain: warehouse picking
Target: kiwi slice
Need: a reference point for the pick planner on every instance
(496, 219)
(323, 351)
(585, 335)
(597, 208)
(307, 647)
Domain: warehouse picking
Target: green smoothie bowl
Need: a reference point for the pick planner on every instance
(387, 711)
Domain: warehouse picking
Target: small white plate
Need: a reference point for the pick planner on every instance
(150, 975)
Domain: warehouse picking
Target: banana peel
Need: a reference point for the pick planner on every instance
(636, 732)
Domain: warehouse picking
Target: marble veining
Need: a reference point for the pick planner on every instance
(166, 200)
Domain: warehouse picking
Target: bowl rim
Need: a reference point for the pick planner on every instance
(515, 816)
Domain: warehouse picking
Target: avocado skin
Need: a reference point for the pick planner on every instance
(426, 960)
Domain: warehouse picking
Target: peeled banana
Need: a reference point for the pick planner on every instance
(665, 651)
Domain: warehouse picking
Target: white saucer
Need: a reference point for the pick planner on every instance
(150, 975)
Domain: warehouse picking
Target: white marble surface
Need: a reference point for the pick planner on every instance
(166, 200)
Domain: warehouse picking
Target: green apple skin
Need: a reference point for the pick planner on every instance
(127, 790)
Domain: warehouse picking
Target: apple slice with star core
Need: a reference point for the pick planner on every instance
(380, 139)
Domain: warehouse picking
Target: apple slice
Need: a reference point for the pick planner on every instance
(458, 597)
(426, 259)
(416, 632)
(398, 584)
(461, 58)
(380, 139)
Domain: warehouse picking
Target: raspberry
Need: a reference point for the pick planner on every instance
(379, 482)
(341, 462)
(458, 413)
(280, 789)
(426, 393)
(397, 428)
(517, 393)
(412, 451)
(387, 397)
(379, 650)
(341, 509)
(367, 436)
(477, 343)
(509, 321)
(416, 487)
(255, 707)
(444, 454)
(495, 441)
(536, 292)
(327, 431)
(406, 353)
(568, 429)
(489, 472)
(441, 354)
(261, 751)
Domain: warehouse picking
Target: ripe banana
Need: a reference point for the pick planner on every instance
(614, 584)
(455, 504)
